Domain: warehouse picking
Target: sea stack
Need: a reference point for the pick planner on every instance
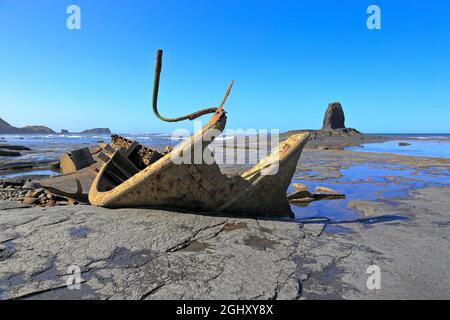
(334, 117)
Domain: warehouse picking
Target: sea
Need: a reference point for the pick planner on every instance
(418, 145)
(51, 146)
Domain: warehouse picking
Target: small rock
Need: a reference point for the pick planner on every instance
(51, 203)
(30, 201)
(31, 185)
(404, 144)
(36, 193)
(299, 187)
(327, 191)
(168, 149)
(367, 208)
(72, 202)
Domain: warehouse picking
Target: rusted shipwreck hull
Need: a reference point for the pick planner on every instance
(135, 176)
(202, 187)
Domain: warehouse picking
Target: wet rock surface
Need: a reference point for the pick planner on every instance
(8, 153)
(147, 254)
(412, 254)
(337, 139)
(9, 150)
(152, 254)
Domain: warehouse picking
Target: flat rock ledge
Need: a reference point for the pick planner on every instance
(148, 254)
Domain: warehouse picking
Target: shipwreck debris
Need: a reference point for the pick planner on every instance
(74, 185)
(302, 197)
(325, 190)
(76, 160)
(44, 198)
(299, 187)
(140, 155)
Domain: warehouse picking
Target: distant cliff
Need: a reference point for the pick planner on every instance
(97, 131)
(89, 131)
(6, 128)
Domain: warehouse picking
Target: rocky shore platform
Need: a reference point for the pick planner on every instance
(338, 139)
(155, 254)
(334, 134)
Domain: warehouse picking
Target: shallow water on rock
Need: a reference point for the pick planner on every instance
(29, 173)
(419, 148)
(366, 182)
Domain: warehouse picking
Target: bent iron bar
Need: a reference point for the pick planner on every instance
(126, 174)
(191, 116)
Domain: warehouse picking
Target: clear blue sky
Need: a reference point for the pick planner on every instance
(289, 59)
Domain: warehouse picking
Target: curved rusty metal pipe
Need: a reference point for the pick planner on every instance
(190, 116)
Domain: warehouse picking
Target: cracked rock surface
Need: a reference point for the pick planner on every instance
(412, 255)
(154, 254)
(146, 254)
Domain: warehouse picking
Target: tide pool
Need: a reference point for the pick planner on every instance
(418, 148)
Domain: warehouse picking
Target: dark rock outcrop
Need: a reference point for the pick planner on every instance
(334, 117)
(13, 147)
(7, 153)
(404, 144)
(334, 135)
(9, 150)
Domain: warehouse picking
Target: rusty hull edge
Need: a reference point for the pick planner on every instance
(251, 193)
(265, 196)
(109, 198)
